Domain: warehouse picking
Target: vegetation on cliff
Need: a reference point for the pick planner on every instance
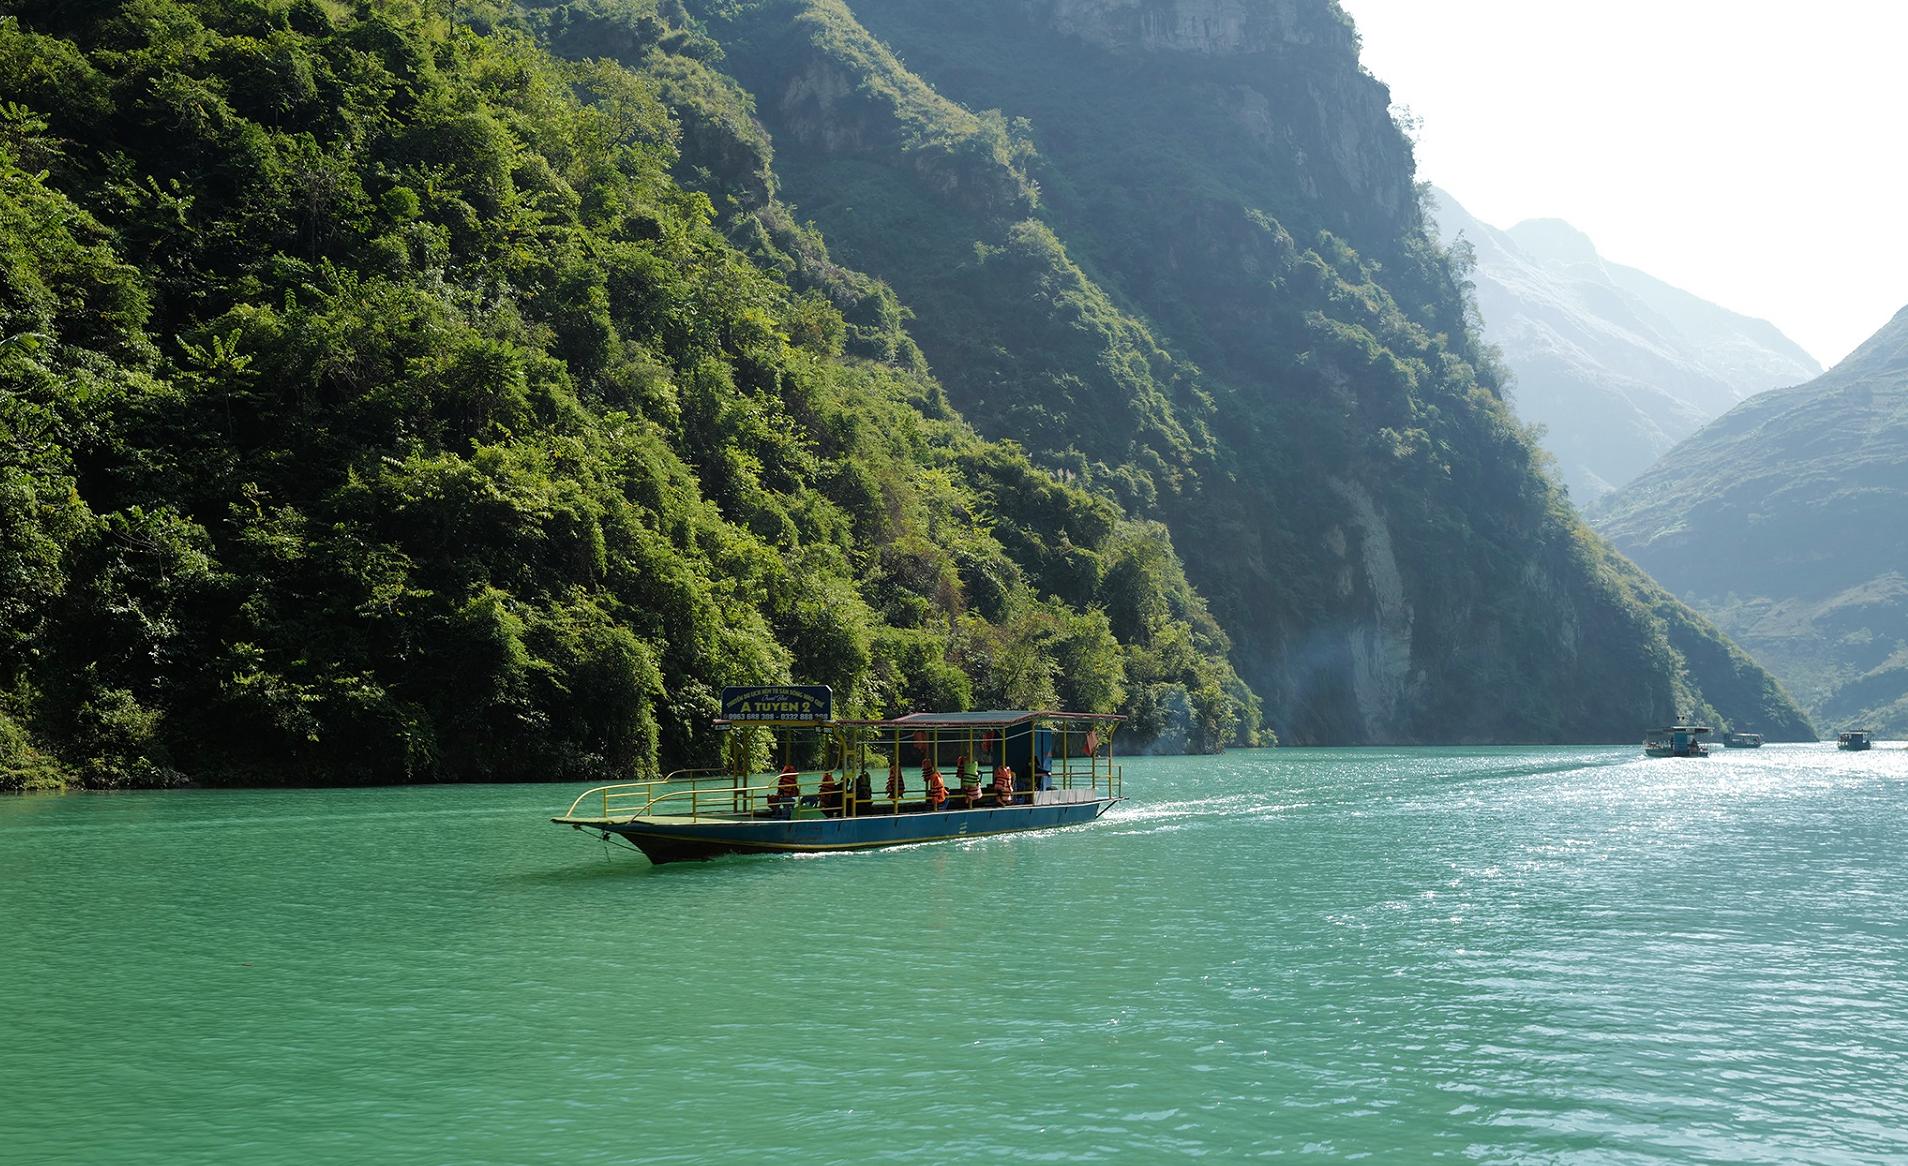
(379, 401)
(400, 391)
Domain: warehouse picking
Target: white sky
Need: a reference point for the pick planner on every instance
(1754, 152)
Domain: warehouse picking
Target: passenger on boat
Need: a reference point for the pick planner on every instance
(1003, 787)
(936, 788)
(970, 782)
(788, 790)
(1043, 775)
(828, 795)
(864, 793)
(897, 785)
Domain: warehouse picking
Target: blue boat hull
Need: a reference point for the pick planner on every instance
(681, 841)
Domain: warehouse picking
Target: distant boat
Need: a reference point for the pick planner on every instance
(1676, 741)
(1735, 740)
(1856, 740)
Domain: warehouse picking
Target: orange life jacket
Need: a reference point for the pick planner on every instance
(789, 785)
(830, 792)
(1003, 783)
(897, 785)
(936, 788)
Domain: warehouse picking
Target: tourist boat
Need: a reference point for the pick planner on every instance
(796, 780)
(1676, 741)
(1735, 740)
(1855, 740)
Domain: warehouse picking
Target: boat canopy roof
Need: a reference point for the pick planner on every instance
(981, 719)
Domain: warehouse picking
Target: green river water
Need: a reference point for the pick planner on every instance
(1544, 955)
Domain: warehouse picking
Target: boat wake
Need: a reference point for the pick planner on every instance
(1128, 818)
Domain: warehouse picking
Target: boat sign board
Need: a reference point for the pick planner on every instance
(778, 703)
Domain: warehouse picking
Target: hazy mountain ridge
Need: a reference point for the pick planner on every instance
(1783, 521)
(1616, 364)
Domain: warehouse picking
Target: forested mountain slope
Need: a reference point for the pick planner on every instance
(1616, 365)
(1784, 520)
(1176, 249)
(375, 405)
(385, 398)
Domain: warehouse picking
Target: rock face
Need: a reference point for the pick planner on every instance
(1783, 521)
(1209, 27)
(1617, 365)
(1333, 123)
(1380, 648)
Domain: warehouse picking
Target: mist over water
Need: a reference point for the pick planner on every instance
(1492, 954)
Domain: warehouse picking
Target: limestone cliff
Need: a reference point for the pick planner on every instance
(1210, 27)
(1380, 648)
(1219, 302)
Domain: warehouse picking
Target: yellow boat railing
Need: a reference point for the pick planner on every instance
(631, 798)
(728, 801)
(712, 793)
